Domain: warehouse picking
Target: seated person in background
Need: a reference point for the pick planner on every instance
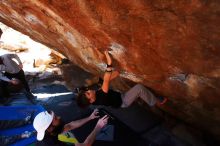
(13, 70)
(12, 67)
(108, 97)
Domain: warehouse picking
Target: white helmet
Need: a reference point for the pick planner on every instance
(41, 122)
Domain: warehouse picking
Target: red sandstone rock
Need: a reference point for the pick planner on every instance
(170, 46)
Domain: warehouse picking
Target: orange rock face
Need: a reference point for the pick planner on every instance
(170, 46)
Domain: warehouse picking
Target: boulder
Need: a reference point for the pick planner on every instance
(170, 46)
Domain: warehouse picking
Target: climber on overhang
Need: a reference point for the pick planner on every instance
(14, 69)
(109, 97)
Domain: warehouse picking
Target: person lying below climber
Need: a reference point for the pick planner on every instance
(27, 124)
(12, 67)
(108, 97)
(49, 123)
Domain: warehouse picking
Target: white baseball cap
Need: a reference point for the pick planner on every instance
(41, 122)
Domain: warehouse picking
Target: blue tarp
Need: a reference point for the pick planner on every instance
(19, 113)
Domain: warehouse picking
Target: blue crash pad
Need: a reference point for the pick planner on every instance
(19, 113)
